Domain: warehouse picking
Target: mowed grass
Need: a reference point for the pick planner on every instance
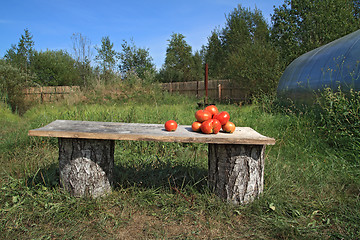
(312, 190)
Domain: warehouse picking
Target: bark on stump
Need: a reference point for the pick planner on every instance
(236, 172)
(86, 166)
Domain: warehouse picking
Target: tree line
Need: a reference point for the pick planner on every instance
(59, 67)
(247, 50)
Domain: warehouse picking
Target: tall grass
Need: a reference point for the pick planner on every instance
(338, 118)
(311, 189)
(316, 167)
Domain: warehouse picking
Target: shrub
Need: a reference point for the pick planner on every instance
(55, 68)
(335, 115)
(12, 82)
(338, 116)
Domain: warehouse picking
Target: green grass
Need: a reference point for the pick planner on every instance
(312, 189)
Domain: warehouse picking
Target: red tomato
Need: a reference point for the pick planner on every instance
(229, 127)
(216, 125)
(202, 115)
(196, 126)
(206, 127)
(170, 125)
(211, 126)
(212, 109)
(223, 117)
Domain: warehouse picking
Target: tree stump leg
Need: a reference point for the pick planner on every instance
(86, 166)
(236, 172)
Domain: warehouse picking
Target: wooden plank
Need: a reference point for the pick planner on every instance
(146, 132)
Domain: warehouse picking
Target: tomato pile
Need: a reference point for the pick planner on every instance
(208, 121)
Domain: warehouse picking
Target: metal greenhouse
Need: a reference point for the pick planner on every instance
(330, 66)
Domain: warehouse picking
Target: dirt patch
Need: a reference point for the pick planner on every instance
(144, 226)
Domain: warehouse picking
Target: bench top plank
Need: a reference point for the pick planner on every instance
(146, 132)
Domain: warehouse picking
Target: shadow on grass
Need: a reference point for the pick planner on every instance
(148, 177)
(165, 176)
(47, 176)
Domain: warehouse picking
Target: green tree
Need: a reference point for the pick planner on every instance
(19, 55)
(55, 68)
(178, 60)
(12, 82)
(214, 55)
(251, 61)
(106, 57)
(357, 9)
(197, 68)
(302, 25)
(242, 52)
(15, 74)
(136, 60)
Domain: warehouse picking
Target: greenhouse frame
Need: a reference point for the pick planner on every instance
(334, 65)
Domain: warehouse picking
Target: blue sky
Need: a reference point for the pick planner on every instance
(149, 23)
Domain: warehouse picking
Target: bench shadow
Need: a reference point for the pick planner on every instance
(48, 176)
(148, 177)
(165, 176)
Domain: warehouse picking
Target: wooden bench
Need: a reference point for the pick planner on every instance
(86, 155)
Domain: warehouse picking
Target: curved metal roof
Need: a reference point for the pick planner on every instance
(332, 65)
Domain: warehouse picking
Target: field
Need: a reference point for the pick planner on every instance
(312, 188)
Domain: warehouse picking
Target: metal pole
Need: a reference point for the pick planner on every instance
(206, 83)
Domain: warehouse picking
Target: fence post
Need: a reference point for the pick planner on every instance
(41, 95)
(219, 87)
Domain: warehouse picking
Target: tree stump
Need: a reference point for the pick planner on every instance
(236, 172)
(86, 166)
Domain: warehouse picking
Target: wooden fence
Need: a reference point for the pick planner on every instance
(48, 94)
(220, 90)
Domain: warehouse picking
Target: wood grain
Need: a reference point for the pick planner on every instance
(146, 132)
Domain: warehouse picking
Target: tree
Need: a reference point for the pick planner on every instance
(136, 60)
(81, 48)
(197, 67)
(214, 55)
(55, 68)
(19, 55)
(178, 60)
(356, 9)
(82, 53)
(15, 74)
(242, 52)
(12, 82)
(302, 25)
(107, 57)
